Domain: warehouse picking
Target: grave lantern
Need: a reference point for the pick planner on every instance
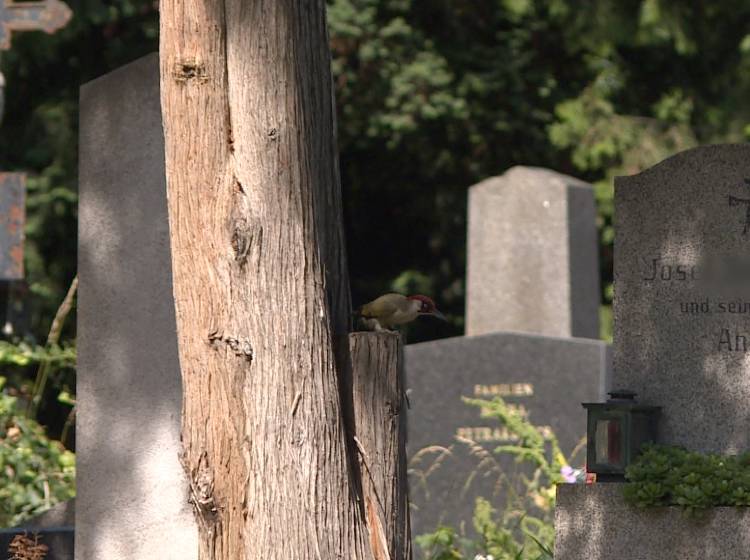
(616, 431)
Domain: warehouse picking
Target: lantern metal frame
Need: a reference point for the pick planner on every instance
(635, 423)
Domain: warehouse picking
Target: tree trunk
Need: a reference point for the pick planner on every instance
(260, 283)
(380, 427)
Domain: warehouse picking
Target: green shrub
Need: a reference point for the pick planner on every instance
(35, 472)
(673, 476)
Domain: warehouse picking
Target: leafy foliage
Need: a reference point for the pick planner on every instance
(24, 354)
(522, 528)
(56, 395)
(432, 97)
(672, 476)
(35, 472)
(664, 76)
(40, 129)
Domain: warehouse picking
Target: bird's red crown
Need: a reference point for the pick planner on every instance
(427, 304)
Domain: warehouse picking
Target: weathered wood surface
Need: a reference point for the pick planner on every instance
(260, 281)
(380, 427)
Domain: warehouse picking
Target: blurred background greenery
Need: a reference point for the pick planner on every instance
(433, 96)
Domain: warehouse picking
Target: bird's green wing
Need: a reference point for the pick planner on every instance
(380, 307)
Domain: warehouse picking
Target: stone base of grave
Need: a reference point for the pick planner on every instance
(593, 522)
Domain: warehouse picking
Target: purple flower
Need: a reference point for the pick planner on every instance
(569, 474)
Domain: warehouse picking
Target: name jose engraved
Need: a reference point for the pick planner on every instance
(717, 287)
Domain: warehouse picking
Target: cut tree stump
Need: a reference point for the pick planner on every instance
(379, 406)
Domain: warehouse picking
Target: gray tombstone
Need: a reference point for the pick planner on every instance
(532, 262)
(132, 498)
(682, 295)
(547, 378)
(682, 328)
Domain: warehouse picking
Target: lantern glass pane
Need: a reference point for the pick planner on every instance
(609, 442)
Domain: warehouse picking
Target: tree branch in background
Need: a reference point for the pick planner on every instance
(42, 373)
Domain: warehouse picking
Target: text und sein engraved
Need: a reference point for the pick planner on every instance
(718, 272)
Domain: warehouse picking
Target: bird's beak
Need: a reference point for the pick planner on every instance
(439, 315)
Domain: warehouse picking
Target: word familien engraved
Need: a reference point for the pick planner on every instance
(504, 390)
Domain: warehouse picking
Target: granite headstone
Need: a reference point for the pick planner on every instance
(682, 295)
(132, 498)
(532, 262)
(682, 325)
(546, 378)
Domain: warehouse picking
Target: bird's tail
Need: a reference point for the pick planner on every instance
(358, 319)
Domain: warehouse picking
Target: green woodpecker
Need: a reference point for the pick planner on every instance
(391, 310)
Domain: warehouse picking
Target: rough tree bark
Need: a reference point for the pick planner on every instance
(380, 426)
(260, 283)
